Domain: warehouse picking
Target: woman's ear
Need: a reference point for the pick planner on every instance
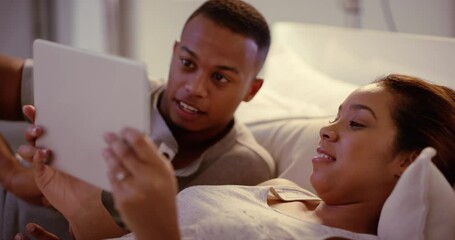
(404, 161)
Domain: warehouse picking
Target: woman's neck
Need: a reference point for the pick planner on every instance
(362, 217)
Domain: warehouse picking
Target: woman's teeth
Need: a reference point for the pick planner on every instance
(322, 155)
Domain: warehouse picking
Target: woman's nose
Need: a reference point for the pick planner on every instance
(328, 133)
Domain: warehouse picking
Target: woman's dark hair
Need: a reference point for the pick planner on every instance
(425, 116)
(239, 17)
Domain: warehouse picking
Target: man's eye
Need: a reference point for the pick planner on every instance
(187, 63)
(354, 124)
(220, 78)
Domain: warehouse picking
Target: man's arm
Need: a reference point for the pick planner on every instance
(10, 88)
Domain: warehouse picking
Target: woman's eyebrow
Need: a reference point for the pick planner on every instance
(364, 107)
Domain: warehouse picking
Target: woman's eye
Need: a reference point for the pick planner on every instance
(354, 124)
(220, 78)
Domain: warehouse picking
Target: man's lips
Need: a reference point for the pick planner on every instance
(188, 108)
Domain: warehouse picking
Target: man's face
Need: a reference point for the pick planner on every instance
(212, 71)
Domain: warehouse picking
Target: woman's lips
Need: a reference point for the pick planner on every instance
(323, 156)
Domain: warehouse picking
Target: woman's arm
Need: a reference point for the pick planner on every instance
(94, 222)
(77, 200)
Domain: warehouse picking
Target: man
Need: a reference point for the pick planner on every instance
(214, 67)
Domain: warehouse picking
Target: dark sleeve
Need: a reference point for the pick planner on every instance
(108, 203)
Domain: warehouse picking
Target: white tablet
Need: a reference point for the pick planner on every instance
(79, 96)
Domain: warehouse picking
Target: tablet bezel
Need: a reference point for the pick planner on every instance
(79, 95)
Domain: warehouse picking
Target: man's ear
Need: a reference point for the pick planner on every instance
(255, 85)
(405, 160)
(176, 43)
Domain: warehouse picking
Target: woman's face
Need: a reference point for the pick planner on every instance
(356, 160)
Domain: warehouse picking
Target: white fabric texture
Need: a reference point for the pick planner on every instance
(292, 144)
(293, 88)
(288, 74)
(269, 105)
(238, 212)
(422, 204)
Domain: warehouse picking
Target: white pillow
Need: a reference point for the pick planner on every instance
(293, 88)
(292, 144)
(269, 105)
(422, 204)
(288, 74)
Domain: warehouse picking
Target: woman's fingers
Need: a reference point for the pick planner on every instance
(29, 112)
(38, 161)
(144, 148)
(132, 158)
(21, 236)
(117, 149)
(32, 132)
(116, 172)
(27, 152)
(148, 153)
(122, 157)
(37, 232)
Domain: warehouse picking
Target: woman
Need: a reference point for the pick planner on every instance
(379, 130)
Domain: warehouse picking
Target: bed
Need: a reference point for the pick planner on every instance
(310, 70)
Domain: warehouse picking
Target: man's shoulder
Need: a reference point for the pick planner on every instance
(250, 154)
(247, 151)
(246, 141)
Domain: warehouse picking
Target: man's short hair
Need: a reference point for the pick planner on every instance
(239, 17)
